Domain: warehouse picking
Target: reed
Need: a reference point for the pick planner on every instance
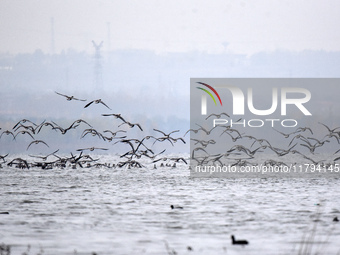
(310, 244)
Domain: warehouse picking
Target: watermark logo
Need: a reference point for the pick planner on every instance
(204, 98)
(244, 127)
(238, 99)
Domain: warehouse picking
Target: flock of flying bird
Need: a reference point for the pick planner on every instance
(240, 149)
(138, 148)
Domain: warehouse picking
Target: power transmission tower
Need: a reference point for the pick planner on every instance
(108, 36)
(98, 79)
(108, 45)
(52, 36)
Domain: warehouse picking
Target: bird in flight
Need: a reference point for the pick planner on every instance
(93, 132)
(117, 115)
(218, 115)
(44, 158)
(97, 101)
(24, 121)
(36, 142)
(69, 98)
(92, 149)
(176, 159)
(168, 137)
(284, 134)
(80, 121)
(3, 157)
(131, 125)
(8, 133)
(329, 129)
(23, 132)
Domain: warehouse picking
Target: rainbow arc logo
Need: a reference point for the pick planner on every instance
(209, 93)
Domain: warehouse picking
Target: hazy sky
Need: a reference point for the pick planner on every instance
(170, 26)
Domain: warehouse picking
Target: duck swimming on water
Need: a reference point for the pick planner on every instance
(175, 207)
(238, 242)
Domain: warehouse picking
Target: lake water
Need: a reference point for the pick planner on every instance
(127, 211)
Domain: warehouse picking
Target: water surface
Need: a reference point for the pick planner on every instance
(127, 211)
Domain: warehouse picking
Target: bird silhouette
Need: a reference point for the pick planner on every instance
(328, 128)
(92, 149)
(97, 101)
(32, 129)
(93, 132)
(80, 121)
(131, 125)
(284, 134)
(117, 115)
(63, 130)
(69, 98)
(218, 115)
(23, 132)
(7, 132)
(44, 158)
(238, 242)
(37, 142)
(176, 207)
(203, 142)
(44, 124)
(3, 157)
(24, 121)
